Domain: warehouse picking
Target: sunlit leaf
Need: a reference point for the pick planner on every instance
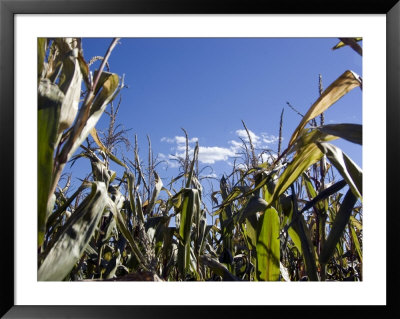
(342, 44)
(356, 242)
(268, 246)
(305, 157)
(70, 83)
(349, 170)
(345, 83)
(349, 132)
(82, 128)
(97, 140)
(352, 42)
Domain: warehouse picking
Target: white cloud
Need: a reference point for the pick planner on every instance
(212, 154)
(178, 140)
(243, 134)
(169, 163)
(269, 139)
(168, 140)
(209, 155)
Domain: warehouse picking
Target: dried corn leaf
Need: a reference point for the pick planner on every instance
(345, 83)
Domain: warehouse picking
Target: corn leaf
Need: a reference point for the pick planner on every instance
(341, 220)
(349, 132)
(49, 105)
(95, 136)
(356, 241)
(41, 47)
(351, 42)
(250, 231)
(127, 234)
(307, 248)
(253, 206)
(75, 236)
(108, 85)
(268, 246)
(345, 83)
(296, 239)
(306, 157)
(190, 207)
(341, 44)
(218, 268)
(356, 223)
(308, 136)
(70, 83)
(349, 170)
(131, 184)
(155, 193)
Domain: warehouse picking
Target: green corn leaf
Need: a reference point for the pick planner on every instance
(349, 170)
(322, 195)
(50, 99)
(349, 132)
(311, 191)
(253, 206)
(268, 246)
(250, 230)
(309, 136)
(155, 228)
(296, 239)
(341, 220)
(356, 223)
(305, 157)
(201, 231)
(190, 207)
(75, 236)
(307, 248)
(131, 184)
(195, 156)
(356, 241)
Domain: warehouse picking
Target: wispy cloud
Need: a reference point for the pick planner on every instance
(212, 154)
(178, 140)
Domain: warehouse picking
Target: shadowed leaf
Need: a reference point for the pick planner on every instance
(75, 236)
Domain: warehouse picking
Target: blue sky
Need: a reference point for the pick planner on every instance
(208, 85)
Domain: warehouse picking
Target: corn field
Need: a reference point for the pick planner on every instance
(282, 219)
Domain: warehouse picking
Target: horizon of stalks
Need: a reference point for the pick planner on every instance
(281, 217)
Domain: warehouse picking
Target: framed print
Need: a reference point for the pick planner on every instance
(90, 205)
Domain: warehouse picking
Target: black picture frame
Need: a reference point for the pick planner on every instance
(9, 8)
